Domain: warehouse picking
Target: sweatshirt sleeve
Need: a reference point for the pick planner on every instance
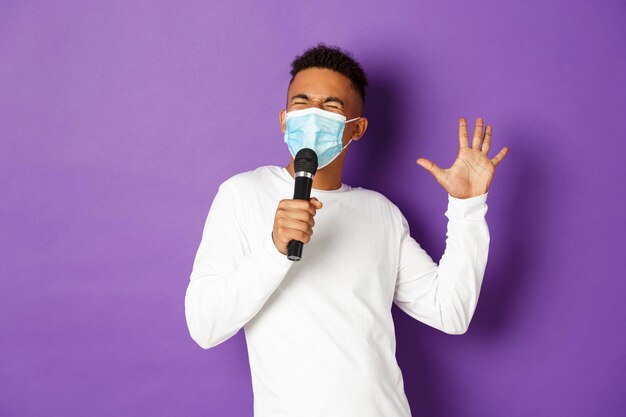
(444, 296)
(229, 283)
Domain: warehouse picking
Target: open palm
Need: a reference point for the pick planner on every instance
(472, 172)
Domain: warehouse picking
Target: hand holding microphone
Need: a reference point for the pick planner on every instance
(293, 222)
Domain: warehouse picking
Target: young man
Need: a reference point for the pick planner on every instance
(319, 332)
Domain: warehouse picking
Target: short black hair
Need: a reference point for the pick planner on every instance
(333, 58)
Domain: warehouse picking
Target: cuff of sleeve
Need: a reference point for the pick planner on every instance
(473, 208)
(273, 256)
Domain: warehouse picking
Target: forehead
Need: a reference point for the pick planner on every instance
(322, 82)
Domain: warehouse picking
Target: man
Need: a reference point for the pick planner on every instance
(319, 332)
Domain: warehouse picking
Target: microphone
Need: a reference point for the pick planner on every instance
(305, 167)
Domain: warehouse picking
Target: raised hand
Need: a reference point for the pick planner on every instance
(471, 173)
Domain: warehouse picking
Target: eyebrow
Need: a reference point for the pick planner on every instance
(328, 99)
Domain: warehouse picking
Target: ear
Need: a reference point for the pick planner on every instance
(281, 117)
(359, 128)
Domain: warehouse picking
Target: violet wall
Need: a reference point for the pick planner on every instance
(119, 119)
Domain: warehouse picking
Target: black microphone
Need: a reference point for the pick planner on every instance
(305, 167)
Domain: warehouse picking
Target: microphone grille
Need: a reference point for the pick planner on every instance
(306, 160)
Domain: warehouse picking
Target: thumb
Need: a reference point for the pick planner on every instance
(429, 166)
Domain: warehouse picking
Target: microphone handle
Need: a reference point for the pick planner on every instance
(301, 191)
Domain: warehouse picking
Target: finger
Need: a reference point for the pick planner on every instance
(302, 215)
(463, 141)
(478, 133)
(318, 204)
(500, 156)
(299, 216)
(287, 235)
(297, 205)
(487, 142)
(291, 223)
(430, 166)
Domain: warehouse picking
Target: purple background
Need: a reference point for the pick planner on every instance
(119, 119)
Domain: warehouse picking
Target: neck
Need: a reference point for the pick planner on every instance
(327, 178)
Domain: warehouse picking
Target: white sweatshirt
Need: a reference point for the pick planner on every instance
(319, 332)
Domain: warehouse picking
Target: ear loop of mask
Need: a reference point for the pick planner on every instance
(350, 141)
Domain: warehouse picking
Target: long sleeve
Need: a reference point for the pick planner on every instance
(230, 282)
(444, 296)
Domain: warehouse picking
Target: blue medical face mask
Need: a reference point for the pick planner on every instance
(316, 129)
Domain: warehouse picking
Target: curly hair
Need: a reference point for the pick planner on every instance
(333, 58)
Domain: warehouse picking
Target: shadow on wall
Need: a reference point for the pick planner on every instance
(521, 242)
(369, 160)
